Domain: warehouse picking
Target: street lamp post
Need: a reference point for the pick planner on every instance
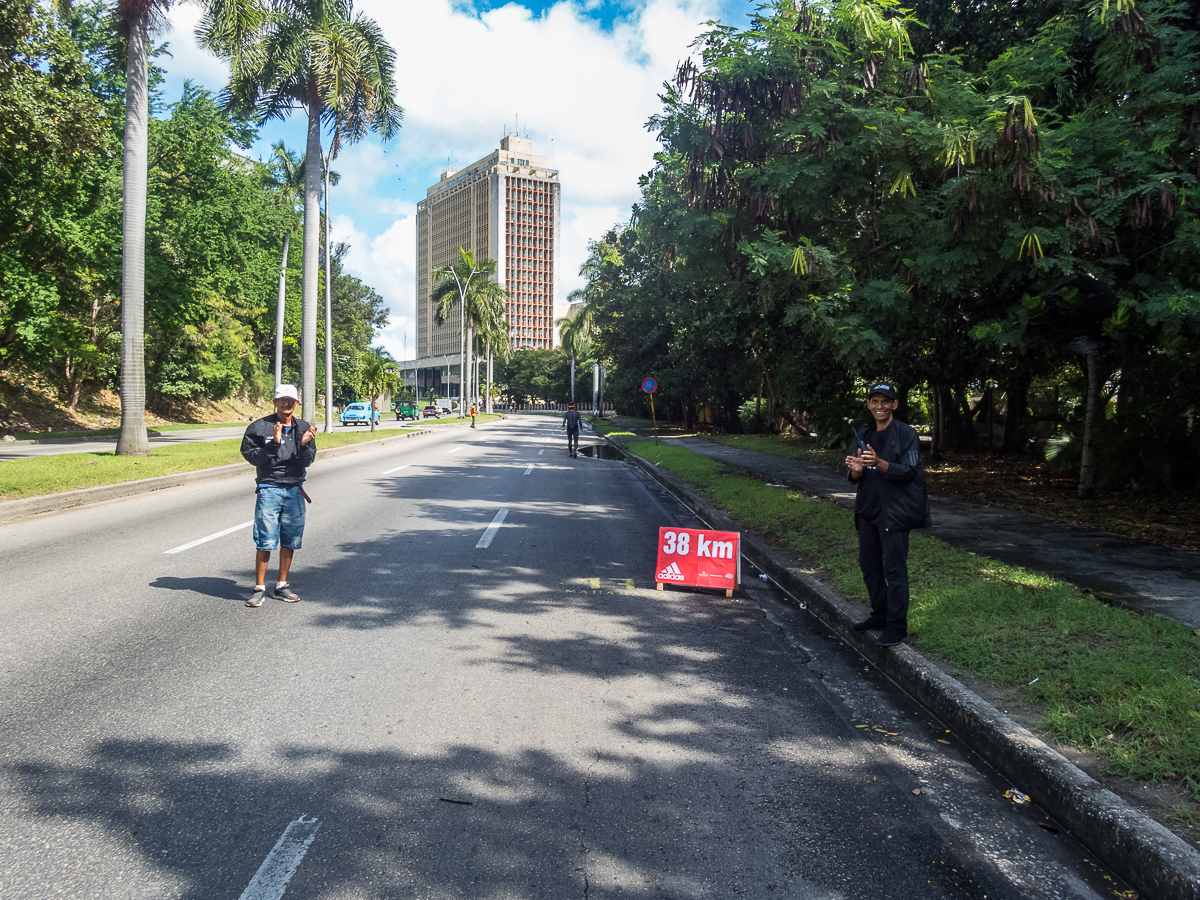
(328, 314)
(462, 335)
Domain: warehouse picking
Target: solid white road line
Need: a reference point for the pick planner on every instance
(270, 881)
(211, 537)
(397, 469)
(530, 469)
(486, 540)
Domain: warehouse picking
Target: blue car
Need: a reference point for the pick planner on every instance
(359, 414)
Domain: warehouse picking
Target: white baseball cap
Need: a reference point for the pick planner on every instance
(286, 390)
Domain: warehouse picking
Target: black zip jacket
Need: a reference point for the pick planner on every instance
(281, 464)
(902, 491)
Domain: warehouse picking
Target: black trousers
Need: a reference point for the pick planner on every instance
(572, 441)
(883, 558)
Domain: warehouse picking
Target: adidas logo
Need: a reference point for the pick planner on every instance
(671, 573)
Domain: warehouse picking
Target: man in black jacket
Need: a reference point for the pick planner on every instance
(571, 421)
(892, 500)
(281, 446)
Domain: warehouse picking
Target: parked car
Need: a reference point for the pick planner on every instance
(431, 412)
(359, 414)
(407, 409)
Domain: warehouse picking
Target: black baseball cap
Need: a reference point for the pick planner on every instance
(882, 387)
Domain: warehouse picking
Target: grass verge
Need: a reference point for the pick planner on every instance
(73, 471)
(1121, 685)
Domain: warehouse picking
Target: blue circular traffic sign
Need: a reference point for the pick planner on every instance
(648, 385)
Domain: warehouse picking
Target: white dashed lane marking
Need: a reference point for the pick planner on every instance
(211, 537)
(530, 469)
(397, 469)
(272, 877)
(486, 540)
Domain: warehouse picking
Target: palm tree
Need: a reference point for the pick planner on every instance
(136, 19)
(322, 57)
(492, 327)
(575, 332)
(378, 375)
(480, 300)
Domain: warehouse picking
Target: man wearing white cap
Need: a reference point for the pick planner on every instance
(281, 447)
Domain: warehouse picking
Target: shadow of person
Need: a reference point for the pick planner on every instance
(220, 588)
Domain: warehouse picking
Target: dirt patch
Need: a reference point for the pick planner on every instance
(27, 407)
(1031, 485)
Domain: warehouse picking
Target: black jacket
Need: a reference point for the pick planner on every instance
(571, 419)
(902, 491)
(281, 464)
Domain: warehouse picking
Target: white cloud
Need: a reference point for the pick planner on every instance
(582, 92)
(388, 264)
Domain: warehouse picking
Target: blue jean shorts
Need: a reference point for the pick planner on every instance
(278, 517)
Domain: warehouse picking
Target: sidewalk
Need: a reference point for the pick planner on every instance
(1117, 569)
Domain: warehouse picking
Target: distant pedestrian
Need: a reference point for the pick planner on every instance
(282, 447)
(571, 421)
(891, 501)
(474, 413)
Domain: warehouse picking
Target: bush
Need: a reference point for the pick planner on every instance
(755, 420)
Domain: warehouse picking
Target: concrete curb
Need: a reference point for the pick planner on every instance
(51, 504)
(1143, 852)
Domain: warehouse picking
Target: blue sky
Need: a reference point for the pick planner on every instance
(581, 78)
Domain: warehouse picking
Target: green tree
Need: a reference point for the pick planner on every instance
(378, 375)
(575, 332)
(135, 19)
(320, 56)
(58, 306)
(467, 284)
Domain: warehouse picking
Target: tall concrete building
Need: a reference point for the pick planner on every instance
(504, 207)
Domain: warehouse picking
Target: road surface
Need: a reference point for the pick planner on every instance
(480, 695)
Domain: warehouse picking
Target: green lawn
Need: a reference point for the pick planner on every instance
(1120, 684)
(72, 471)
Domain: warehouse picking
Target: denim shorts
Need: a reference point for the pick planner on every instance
(278, 517)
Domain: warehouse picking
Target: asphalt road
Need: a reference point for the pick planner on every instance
(436, 719)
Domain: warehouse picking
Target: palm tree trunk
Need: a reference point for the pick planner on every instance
(572, 377)
(329, 320)
(312, 252)
(280, 308)
(133, 440)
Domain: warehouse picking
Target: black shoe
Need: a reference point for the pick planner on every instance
(892, 636)
(874, 623)
(256, 599)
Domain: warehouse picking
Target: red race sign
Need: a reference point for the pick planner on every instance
(699, 558)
